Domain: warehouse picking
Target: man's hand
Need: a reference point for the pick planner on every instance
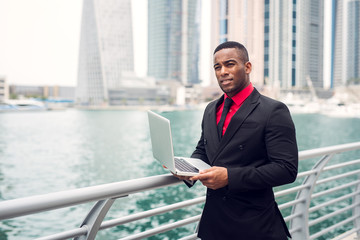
(213, 178)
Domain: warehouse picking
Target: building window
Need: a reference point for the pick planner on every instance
(293, 76)
(223, 9)
(266, 29)
(266, 72)
(223, 39)
(266, 43)
(267, 15)
(223, 27)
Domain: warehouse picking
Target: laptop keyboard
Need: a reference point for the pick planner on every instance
(184, 166)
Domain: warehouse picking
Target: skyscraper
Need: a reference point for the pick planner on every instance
(347, 41)
(4, 89)
(173, 40)
(106, 49)
(241, 21)
(294, 43)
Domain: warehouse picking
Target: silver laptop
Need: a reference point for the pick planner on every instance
(163, 151)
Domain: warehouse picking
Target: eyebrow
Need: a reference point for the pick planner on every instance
(227, 61)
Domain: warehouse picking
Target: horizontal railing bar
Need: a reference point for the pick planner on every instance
(326, 230)
(163, 228)
(291, 190)
(314, 171)
(307, 173)
(340, 165)
(127, 219)
(346, 234)
(306, 154)
(343, 175)
(334, 189)
(327, 216)
(327, 203)
(190, 237)
(296, 229)
(29, 205)
(291, 203)
(149, 213)
(291, 216)
(67, 234)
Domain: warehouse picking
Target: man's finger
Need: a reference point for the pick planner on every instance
(207, 170)
(200, 177)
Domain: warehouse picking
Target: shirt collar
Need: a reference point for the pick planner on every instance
(240, 97)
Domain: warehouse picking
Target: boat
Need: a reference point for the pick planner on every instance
(15, 105)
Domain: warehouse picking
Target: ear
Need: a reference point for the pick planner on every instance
(248, 67)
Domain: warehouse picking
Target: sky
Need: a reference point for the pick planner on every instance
(39, 40)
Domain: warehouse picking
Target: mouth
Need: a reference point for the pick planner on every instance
(225, 81)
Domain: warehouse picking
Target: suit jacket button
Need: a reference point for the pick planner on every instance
(224, 198)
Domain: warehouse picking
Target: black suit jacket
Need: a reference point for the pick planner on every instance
(260, 152)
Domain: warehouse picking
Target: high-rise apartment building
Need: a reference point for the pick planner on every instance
(346, 64)
(106, 49)
(241, 21)
(284, 38)
(173, 40)
(294, 43)
(4, 89)
(302, 43)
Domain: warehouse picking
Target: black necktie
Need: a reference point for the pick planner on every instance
(226, 108)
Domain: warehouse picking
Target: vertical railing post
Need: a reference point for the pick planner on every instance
(94, 218)
(301, 209)
(356, 210)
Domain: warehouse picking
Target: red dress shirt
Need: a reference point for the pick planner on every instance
(238, 99)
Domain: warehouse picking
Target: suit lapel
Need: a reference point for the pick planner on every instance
(237, 120)
(212, 118)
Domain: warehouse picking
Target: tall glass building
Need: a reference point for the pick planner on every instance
(241, 21)
(173, 40)
(106, 49)
(4, 89)
(293, 43)
(347, 37)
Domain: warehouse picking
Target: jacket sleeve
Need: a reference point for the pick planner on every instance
(281, 164)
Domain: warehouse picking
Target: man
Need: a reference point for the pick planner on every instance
(254, 151)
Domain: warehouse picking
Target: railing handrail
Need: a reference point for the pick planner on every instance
(39, 203)
(35, 204)
(306, 154)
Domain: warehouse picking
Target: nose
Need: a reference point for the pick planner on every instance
(223, 71)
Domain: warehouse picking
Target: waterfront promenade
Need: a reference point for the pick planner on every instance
(351, 237)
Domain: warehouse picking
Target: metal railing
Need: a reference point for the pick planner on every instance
(324, 199)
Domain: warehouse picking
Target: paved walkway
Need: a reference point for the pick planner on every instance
(351, 237)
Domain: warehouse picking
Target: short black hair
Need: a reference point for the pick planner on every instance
(232, 44)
